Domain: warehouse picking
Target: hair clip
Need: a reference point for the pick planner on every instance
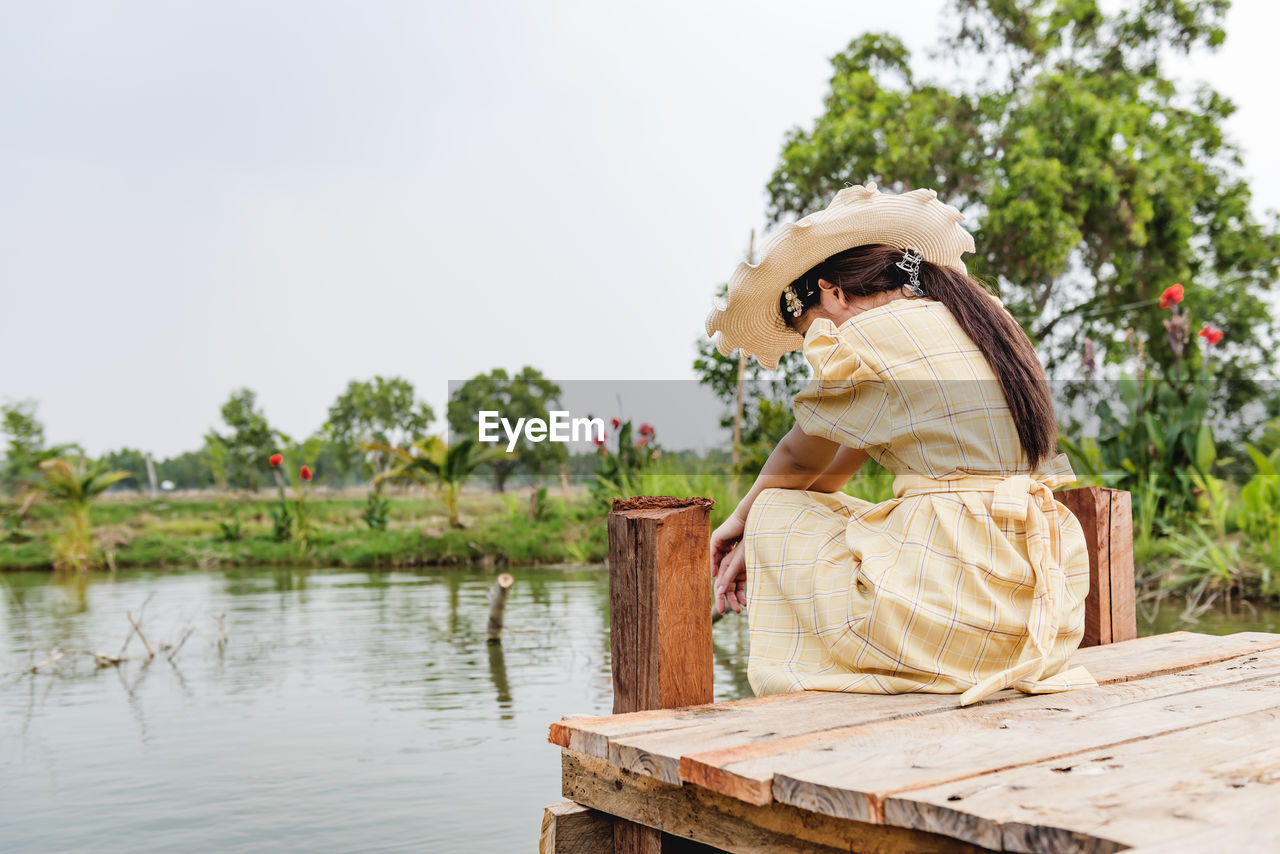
(794, 305)
(910, 263)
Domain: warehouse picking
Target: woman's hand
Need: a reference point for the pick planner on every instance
(729, 564)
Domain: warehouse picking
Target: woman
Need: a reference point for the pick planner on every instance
(972, 578)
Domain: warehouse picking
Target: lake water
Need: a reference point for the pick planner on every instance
(346, 711)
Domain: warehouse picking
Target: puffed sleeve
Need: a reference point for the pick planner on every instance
(846, 401)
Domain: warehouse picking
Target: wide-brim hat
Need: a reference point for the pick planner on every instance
(749, 317)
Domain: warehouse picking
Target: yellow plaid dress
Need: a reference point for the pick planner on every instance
(971, 579)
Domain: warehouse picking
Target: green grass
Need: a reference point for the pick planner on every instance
(186, 532)
(180, 532)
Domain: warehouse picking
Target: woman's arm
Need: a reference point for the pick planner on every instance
(799, 461)
(803, 461)
(795, 463)
(845, 465)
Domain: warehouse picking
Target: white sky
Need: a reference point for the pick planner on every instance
(286, 196)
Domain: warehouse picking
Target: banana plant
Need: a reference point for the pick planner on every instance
(430, 461)
(73, 486)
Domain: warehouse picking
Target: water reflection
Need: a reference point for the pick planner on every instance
(498, 673)
(365, 707)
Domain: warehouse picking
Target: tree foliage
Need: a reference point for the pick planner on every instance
(1094, 180)
(25, 447)
(132, 461)
(242, 452)
(188, 470)
(385, 410)
(528, 394)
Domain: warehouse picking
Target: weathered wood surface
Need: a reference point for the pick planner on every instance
(726, 824)
(890, 758)
(702, 744)
(920, 762)
(1187, 782)
(1257, 836)
(1107, 519)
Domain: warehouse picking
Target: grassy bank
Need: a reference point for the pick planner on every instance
(189, 531)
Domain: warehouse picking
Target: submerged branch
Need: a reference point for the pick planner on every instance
(102, 659)
(151, 653)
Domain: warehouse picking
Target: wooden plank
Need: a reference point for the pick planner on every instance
(731, 825)
(743, 768)
(1208, 779)
(890, 758)
(1134, 659)
(658, 752)
(752, 773)
(569, 828)
(1105, 515)
(1156, 655)
(591, 735)
(1257, 836)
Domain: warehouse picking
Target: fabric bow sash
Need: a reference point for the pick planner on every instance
(1028, 499)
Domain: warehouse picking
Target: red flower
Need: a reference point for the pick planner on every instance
(305, 473)
(599, 441)
(1211, 333)
(1171, 294)
(276, 459)
(616, 422)
(646, 429)
(642, 441)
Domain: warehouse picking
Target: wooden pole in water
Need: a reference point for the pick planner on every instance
(498, 606)
(660, 620)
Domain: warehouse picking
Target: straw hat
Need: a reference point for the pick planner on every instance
(750, 319)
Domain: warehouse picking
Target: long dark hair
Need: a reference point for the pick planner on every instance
(866, 270)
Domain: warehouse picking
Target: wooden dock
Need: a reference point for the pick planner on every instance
(1176, 750)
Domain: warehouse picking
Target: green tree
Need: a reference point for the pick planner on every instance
(385, 410)
(190, 470)
(129, 460)
(1094, 180)
(24, 447)
(248, 445)
(528, 394)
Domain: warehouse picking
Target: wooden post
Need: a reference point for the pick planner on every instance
(568, 828)
(660, 620)
(660, 603)
(1107, 519)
